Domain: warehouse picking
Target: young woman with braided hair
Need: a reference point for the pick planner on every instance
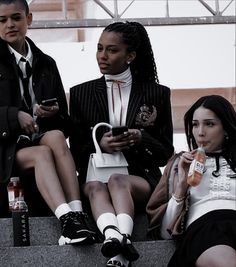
(125, 58)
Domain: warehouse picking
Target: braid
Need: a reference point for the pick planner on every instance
(135, 36)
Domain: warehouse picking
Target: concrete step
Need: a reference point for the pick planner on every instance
(46, 230)
(44, 251)
(152, 253)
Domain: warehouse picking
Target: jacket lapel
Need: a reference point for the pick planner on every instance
(136, 95)
(101, 99)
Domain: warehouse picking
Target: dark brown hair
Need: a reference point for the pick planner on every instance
(226, 113)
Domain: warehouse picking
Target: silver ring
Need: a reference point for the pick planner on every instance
(131, 143)
(35, 126)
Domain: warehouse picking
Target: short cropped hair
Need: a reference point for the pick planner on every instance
(23, 3)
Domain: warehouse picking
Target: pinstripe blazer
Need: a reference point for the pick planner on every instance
(149, 110)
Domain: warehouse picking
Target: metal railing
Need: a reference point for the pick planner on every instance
(216, 14)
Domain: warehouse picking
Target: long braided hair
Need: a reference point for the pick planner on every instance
(135, 36)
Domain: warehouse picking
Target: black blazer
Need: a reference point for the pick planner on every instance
(46, 84)
(149, 110)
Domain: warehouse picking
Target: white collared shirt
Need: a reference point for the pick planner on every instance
(21, 64)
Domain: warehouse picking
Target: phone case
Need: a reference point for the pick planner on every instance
(119, 130)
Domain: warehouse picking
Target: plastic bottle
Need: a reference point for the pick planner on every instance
(13, 188)
(197, 167)
(20, 220)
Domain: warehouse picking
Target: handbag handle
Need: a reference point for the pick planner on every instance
(98, 150)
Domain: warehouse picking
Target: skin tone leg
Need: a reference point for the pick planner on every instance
(64, 163)
(217, 256)
(127, 190)
(118, 196)
(41, 159)
(99, 198)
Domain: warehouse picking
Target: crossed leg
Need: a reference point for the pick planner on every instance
(54, 169)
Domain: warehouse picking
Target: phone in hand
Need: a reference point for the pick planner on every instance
(119, 130)
(49, 102)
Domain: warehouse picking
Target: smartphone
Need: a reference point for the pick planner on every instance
(119, 130)
(49, 102)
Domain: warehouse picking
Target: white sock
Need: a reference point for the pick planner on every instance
(106, 219)
(125, 223)
(62, 210)
(76, 205)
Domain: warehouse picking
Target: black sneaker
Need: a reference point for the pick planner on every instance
(74, 230)
(91, 226)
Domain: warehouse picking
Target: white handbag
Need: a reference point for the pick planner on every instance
(102, 165)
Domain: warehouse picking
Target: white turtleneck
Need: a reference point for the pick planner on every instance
(122, 97)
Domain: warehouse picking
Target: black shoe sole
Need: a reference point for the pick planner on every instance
(87, 241)
(111, 247)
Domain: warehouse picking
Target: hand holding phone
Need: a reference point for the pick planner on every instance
(49, 102)
(119, 130)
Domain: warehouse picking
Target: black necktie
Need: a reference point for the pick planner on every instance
(25, 82)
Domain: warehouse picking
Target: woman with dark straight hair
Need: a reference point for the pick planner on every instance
(201, 217)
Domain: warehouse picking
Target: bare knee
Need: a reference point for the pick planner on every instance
(92, 189)
(217, 256)
(56, 140)
(118, 182)
(54, 136)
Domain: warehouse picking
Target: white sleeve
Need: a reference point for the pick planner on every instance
(174, 209)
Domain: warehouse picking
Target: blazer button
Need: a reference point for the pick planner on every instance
(4, 134)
